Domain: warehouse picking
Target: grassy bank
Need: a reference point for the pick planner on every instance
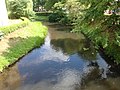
(25, 40)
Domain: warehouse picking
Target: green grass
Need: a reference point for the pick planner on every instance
(31, 37)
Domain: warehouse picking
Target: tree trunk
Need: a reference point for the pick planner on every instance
(3, 13)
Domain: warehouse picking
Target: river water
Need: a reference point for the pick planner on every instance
(66, 61)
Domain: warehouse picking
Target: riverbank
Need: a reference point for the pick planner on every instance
(18, 43)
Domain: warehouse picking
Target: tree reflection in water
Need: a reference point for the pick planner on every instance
(71, 46)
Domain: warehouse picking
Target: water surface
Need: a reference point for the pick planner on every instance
(66, 61)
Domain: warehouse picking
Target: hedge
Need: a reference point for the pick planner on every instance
(43, 13)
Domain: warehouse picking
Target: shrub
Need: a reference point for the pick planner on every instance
(55, 17)
(59, 14)
(19, 8)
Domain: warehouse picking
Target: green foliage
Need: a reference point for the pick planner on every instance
(50, 3)
(113, 51)
(40, 18)
(66, 11)
(59, 14)
(102, 29)
(20, 8)
(11, 28)
(73, 9)
(43, 13)
(38, 3)
(36, 33)
(55, 17)
(3, 63)
(47, 4)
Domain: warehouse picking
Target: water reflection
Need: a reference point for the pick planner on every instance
(68, 80)
(10, 79)
(70, 46)
(66, 61)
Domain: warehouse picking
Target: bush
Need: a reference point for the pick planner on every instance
(61, 18)
(55, 17)
(59, 14)
(19, 8)
(11, 28)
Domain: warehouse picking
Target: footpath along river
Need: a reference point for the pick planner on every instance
(66, 61)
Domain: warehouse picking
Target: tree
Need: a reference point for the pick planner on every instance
(95, 22)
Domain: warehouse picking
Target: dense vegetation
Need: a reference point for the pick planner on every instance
(19, 8)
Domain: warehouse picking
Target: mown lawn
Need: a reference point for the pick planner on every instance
(25, 39)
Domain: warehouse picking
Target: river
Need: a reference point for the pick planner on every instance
(66, 61)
